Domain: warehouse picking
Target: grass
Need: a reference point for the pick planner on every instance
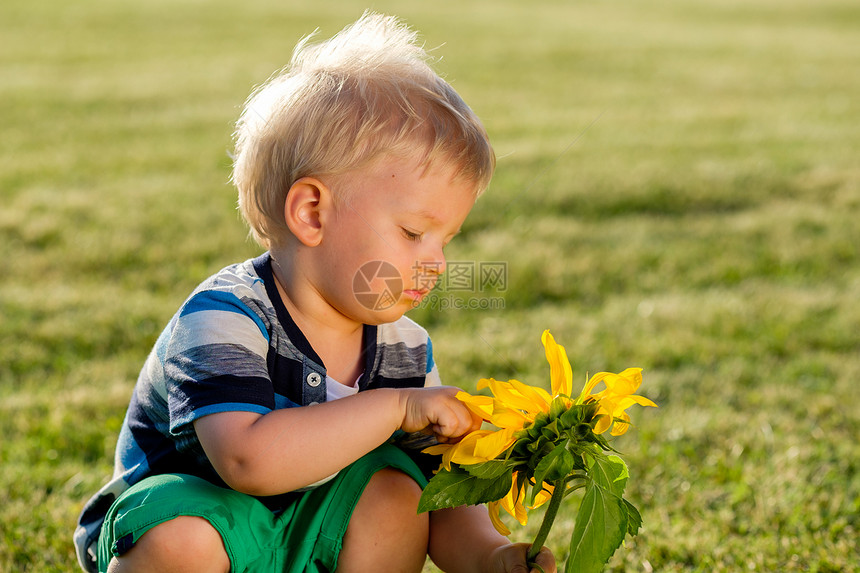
(677, 189)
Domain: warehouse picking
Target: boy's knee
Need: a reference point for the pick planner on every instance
(393, 489)
(391, 497)
(188, 540)
(386, 532)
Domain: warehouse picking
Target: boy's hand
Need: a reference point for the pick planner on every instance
(436, 411)
(512, 559)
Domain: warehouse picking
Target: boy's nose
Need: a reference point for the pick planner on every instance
(438, 260)
(432, 267)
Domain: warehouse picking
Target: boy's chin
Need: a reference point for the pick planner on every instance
(382, 316)
(386, 316)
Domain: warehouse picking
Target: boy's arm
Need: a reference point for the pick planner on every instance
(463, 540)
(290, 448)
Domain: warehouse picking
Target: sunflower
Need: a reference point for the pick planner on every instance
(515, 407)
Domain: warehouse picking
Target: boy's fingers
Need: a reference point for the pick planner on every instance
(546, 560)
(514, 560)
(454, 418)
(450, 425)
(441, 413)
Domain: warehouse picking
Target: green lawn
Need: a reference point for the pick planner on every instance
(678, 188)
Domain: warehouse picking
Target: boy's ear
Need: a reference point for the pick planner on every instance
(306, 202)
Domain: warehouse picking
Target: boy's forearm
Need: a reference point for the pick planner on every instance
(291, 448)
(462, 539)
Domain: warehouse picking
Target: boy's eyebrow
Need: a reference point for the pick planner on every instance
(425, 214)
(429, 216)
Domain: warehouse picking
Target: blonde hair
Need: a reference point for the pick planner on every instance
(341, 104)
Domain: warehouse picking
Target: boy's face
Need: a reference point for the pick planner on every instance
(382, 248)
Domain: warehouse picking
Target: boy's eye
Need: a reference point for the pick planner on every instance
(411, 235)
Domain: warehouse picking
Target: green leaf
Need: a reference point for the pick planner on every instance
(521, 446)
(602, 442)
(551, 431)
(538, 443)
(583, 432)
(634, 519)
(574, 415)
(557, 407)
(610, 472)
(458, 487)
(488, 470)
(571, 417)
(601, 524)
(540, 421)
(536, 488)
(554, 466)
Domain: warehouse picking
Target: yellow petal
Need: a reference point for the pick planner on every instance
(633, 374)
(512, 502)
(463, 452)
(491, 446)
(511, 395)
(496, 519)
(507, 503)
(620, 428)
(509, 417)
(481, 405)
(603, 422)
(612, 403)
(559, 366)
(628, 401)
(537, 396)
(520, 512)
(619, 385)
(464, 458)
(438, 449)
(542, 497)
(474, 448)
(589, 386)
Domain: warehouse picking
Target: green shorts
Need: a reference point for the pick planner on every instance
(306, 537)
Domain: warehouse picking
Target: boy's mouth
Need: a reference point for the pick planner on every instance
(415, 294)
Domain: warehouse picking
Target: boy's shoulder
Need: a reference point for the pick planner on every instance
(244, 280)
(237, 288)
(240, 278)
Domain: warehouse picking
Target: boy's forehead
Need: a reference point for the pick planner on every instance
(414, 164)
(409, 184)
(416, 168)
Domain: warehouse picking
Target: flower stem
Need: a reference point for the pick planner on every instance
(548, 518)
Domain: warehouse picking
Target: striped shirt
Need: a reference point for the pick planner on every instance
(233, 346)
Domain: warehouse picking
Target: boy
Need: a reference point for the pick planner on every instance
(277, 422)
